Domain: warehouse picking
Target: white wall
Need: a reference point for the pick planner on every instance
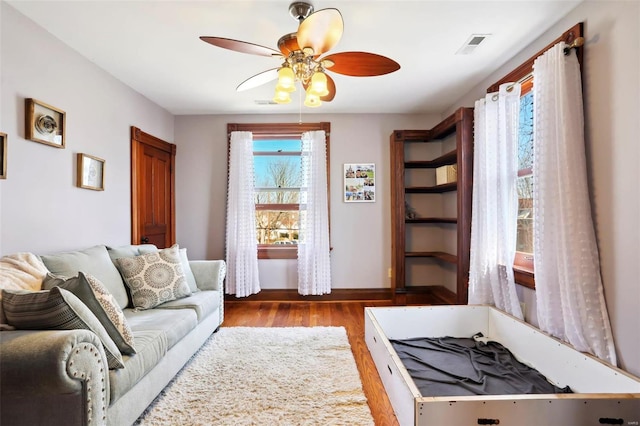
(41, 209)
(360, 232)
(611, 84)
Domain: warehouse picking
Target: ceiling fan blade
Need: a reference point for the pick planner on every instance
(258, 80)
(241, 46)
(361, 64)
(321, 30)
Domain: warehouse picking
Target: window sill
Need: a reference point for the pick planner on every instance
(524, 276)
(277, 252)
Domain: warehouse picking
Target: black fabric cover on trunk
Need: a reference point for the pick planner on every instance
(450, 366)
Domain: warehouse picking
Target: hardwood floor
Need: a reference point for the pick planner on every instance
(308, 314)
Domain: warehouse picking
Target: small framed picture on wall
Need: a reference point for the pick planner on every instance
(90, 172)
(44, 123)
(359, 183)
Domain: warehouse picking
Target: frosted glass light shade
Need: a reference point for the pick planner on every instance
(312, 100)
(281, 97)
(319, 84)
(286, 79)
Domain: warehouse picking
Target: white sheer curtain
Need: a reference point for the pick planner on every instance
(569, 292)
(495, 201)
(314, 267)
(242, 245)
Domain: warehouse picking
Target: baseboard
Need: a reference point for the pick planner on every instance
(336, 295)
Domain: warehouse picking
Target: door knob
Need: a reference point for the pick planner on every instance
(144, 240)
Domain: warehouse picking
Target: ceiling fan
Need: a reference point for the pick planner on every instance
(303, 61)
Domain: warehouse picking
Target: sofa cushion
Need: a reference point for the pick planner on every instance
(130, 251)
(154, 278)
(203, 303)
(95, 261)
(56, 309)
(151, 346)
(103, 305)
(174, 323)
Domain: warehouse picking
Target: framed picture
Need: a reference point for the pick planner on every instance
(359, 183)
(3, 155)
(90, 172)
(44, 123)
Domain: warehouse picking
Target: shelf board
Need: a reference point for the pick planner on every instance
(432, 220)
(437, 189)
(444, 160)
(445, 257)
(429, 294)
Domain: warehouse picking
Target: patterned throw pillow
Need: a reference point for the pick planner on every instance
(154, 278)
(56, 309)
(102, 303)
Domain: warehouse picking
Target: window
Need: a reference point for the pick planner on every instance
(277, 167)
(523, 265)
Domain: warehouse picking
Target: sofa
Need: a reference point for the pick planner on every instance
(54, 372)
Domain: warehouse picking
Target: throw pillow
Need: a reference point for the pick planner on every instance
(154, 278)
(56, 309)
(102, 303)
(188, 273)
(95, 261)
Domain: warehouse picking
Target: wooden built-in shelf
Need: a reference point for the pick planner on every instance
(458, 128)
(445, 257)
(432, 220)
(444, 160)
(428, 295)
(436, 189)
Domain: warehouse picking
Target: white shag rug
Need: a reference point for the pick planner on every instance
(266, 376)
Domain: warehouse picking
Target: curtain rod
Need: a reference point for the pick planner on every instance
(578, 42)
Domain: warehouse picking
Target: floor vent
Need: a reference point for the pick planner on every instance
(265, 102)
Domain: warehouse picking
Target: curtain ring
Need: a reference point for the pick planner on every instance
(494, 97)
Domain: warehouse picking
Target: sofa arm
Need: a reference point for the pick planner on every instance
(209, 274)
(53, 377)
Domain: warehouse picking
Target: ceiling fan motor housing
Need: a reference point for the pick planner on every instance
(300, 10)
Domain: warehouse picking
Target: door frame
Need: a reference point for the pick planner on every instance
(138, 140)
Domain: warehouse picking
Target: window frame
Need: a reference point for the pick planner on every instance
(268, 131)
(523, 264)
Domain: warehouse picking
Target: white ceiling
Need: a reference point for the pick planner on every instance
(153, 47)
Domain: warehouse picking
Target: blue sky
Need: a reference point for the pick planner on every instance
(261, 164)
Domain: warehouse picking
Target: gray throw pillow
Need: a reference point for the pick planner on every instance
(102, 303)
(154, 278)
(56, 309)
(95, 261)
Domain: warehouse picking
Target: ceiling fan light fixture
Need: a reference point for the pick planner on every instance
(286, 79)
(281, 97)
(319, 84)
(312, 100)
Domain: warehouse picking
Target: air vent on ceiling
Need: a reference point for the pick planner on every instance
(472, 44)
(265, 102)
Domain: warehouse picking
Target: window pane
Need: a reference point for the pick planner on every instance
(525, 214)
(272, 145)
(525, 137)
(277, 227)
(277, 171)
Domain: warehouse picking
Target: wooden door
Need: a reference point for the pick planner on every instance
(152, 190)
